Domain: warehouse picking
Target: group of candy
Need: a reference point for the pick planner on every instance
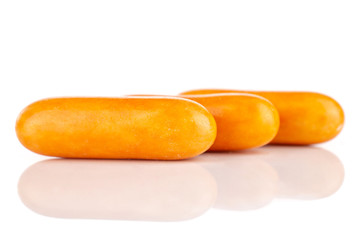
(176, 127)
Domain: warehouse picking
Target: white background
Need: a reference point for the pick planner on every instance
(111, 48)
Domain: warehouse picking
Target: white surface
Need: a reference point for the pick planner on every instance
(111, 48)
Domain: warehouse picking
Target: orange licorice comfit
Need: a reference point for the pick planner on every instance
(305, 117)
(243, 120)
(164, 128)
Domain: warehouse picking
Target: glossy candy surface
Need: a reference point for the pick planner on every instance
(305, 117)
(161, 128)
(243, 121)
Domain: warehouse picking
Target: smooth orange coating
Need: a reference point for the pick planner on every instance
(243, 121)
(161, 128)
(305, 117)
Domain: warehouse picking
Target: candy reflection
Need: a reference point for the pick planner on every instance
(304, 172)
(244, 181)
(128, 190)
(252, 179)
(179, 190)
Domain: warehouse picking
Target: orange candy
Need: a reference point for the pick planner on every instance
(243, 120)
(305, 117)
(161, 128)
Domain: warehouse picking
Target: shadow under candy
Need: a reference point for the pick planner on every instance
(178, 190)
